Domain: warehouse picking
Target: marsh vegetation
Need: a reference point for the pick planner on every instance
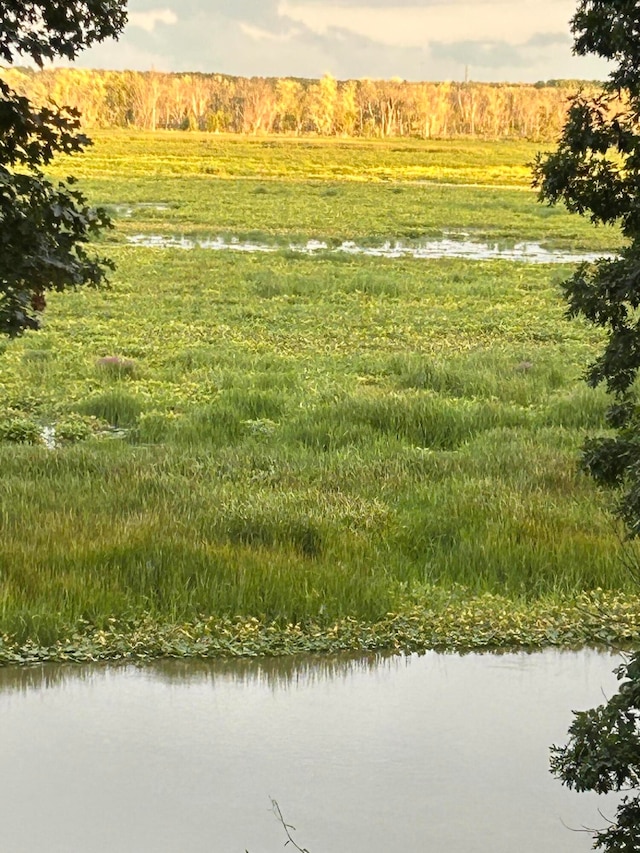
(276, 451)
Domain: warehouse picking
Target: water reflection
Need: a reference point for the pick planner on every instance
(276, 672)
(434, 753)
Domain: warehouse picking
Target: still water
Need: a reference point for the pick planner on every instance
(437, 753)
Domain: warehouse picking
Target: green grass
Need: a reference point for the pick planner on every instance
(333, 443)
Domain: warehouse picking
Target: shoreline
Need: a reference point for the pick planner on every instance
(450, 622)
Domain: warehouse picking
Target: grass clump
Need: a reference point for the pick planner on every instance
(117, 367)
(71, 428)
(117, 408)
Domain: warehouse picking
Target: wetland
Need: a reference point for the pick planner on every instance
(344, 448)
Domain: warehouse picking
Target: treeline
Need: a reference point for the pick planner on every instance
(371, 108)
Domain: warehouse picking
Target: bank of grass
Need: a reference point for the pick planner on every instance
(278, 453)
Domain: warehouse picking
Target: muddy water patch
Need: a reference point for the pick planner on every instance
(437, 752)
(448, 247)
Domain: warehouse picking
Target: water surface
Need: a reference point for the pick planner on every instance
(381, 755)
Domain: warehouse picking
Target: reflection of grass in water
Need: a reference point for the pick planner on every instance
(311, 440)
(449, 246)
(275, 672)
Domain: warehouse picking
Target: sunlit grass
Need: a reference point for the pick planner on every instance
(168, 154)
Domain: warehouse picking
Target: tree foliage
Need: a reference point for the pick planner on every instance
(603, 755)
(44, 227)
(596, 173)
(46, 29)
(355, 108)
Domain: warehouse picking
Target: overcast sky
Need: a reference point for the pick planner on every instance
(498, 40)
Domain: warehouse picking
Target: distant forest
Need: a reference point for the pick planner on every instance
(353, 108)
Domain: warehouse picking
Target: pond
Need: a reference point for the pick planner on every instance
(437, 753)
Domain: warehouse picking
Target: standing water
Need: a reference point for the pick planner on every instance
(380, 755)
(457, 247)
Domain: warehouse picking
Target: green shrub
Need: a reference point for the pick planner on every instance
(73, 428)
(20, 430)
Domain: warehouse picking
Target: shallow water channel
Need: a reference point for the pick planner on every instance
(436, 753)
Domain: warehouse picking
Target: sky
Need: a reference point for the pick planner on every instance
(486, 40)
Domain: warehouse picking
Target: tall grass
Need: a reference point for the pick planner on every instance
(286, 534)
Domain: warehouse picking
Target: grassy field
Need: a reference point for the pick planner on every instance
(170, 154)
(273, 453)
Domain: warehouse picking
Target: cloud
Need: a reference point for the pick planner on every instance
(415, 39)
(500, 54)
(414, 26)
(548, 40)
(258, 34)
(479, 54)
(148, 20)
(122, 55)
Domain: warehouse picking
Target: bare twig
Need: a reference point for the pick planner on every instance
(287, 827)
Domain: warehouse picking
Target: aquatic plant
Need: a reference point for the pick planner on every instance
(447, 619)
